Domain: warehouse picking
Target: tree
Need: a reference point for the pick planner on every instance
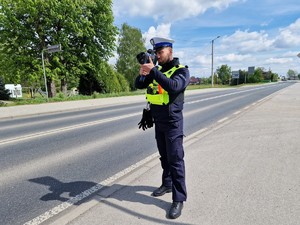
(4, 93)
(84, 28)
(130, 44)
(243, 76)
(274, 77)
(292, 74)
(224, 74)
(257, 76)
(105, 80)
(113, 81)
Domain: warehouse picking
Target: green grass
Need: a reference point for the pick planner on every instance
(60, 97)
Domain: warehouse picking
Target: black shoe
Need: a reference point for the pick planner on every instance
(175, 210)
(161, 191)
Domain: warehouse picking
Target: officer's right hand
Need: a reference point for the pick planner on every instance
(147, 67)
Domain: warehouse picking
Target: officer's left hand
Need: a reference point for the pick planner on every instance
(147, 67)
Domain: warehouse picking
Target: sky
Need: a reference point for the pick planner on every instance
(259, 33)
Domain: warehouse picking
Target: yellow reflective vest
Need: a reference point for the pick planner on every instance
(155, 94)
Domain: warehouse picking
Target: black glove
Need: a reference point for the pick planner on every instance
(147, 120)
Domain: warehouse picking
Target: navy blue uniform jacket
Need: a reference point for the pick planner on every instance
(175, 86)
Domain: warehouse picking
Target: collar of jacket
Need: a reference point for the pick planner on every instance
(170, 65)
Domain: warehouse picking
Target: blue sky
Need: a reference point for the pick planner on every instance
(260, 33)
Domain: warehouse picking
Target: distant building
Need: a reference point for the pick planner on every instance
(195, 80)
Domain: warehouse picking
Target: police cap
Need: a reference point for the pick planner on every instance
(160, 42)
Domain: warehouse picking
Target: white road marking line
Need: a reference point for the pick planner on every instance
(262, 99)
(222, 120)
(220, 96)
(237, 112)
(59, 118)
(58, 209)
(34, 135)
(197, 133)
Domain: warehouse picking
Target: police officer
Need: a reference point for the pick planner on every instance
(165, 86)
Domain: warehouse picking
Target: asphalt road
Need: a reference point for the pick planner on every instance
(42, 156)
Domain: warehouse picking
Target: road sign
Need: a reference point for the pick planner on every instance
(235, 74)
(251, 70)
(54, 48)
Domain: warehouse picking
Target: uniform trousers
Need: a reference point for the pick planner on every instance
(169, 138)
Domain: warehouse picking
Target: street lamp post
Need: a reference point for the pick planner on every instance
(212, 61)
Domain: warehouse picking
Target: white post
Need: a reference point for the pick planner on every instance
(45, 80)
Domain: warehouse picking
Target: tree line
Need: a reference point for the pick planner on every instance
(223, 75)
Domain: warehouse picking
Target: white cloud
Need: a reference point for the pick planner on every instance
(289, 36)
(250, 42)
(279, 60)
(168, 10)
(203, 60)
(233, 58)
(247, 42)
(180, 54)
(266, 23)
(291, 53)
(162, 30)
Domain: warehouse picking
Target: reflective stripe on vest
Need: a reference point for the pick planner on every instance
(155, 94)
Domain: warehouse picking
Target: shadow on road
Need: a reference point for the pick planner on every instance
(64, 192)
(61, 191)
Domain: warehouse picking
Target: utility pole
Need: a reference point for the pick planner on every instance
(212, 61)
